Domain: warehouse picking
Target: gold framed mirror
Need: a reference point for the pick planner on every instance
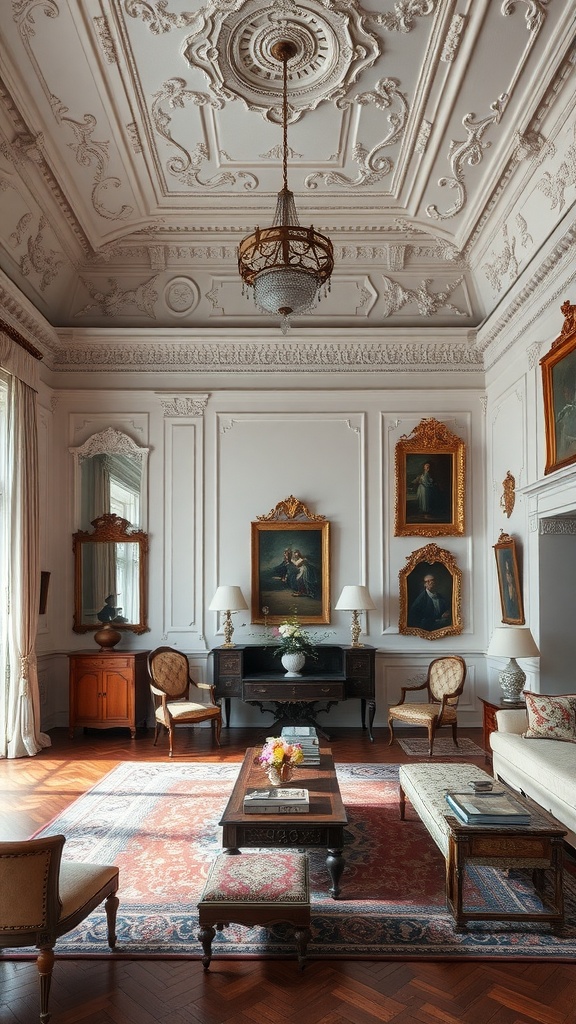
(110, 573)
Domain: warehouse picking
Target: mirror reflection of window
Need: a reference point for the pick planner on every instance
(111, 483)
(110, 582)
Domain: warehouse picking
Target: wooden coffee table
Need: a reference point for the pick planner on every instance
(537, 846)
(322, 826)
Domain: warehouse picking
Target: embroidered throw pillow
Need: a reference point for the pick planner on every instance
(551, 717)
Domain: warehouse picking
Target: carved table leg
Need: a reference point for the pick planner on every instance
(335, 865)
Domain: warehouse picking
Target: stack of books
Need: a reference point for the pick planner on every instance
(276, 801)
(306, 736)
(495, 808)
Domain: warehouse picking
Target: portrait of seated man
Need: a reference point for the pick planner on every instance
(431, 610)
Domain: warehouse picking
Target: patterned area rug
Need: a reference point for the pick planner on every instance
(443, 747)
(159, 824)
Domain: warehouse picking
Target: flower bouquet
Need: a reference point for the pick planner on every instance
(279, 759)
(292, 639)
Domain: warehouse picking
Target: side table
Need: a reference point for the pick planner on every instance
(489, 722)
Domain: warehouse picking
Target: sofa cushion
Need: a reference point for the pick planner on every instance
(551, 717)
(550, 764)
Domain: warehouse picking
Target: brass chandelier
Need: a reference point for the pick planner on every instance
(286, 264)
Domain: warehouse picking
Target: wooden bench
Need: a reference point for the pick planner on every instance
(256, 889)
(537, 846)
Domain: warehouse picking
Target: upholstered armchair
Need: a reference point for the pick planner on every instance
(42, 897)
(443, 685)
(172, 686)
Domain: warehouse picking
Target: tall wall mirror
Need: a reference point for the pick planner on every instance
(110, 478)
(110, 564)
(110, 545)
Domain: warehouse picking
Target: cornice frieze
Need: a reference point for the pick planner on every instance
(279, 356)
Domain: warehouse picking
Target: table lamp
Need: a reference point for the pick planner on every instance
(355, 599)
(228, 599)
(512, 642)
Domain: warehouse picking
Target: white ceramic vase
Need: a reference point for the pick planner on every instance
(293, 662)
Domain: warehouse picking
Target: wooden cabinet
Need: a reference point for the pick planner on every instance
(108, 689)
(252, 674)
(489, 722)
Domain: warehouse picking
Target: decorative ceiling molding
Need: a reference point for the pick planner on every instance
(251, 356)
(233, 48)
(126, 182)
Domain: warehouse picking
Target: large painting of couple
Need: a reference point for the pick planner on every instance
(290, 568)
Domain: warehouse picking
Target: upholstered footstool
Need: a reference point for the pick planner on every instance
(256, 889)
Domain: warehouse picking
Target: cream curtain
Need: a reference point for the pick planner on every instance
(20, 733)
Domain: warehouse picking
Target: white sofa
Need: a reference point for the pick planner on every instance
(542, 769)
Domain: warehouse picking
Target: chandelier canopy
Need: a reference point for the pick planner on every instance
(286, 264)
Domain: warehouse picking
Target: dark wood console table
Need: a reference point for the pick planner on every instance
(252, 674)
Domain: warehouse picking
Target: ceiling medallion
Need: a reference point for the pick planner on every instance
(285, 264)
(234, 49)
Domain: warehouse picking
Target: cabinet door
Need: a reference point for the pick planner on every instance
(88, 692)
(118, 696)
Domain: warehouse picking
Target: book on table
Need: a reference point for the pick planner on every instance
(494, 808)
(276, 801)
(306, 737)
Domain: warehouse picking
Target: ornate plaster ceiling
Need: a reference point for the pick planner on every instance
(140, 141)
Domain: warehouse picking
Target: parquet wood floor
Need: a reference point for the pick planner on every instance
(33, 790)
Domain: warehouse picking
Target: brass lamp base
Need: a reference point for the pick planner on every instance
(356, 629)
(228, 631)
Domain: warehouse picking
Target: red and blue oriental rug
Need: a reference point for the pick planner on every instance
(159, 824)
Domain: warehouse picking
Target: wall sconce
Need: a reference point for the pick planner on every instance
(355, 599)
(512, 642)
(228, 599)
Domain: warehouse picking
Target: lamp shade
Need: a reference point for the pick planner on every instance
(513, 642)
(355, 599)
(228, 599)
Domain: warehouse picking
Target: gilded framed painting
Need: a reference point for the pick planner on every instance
(509, 581)
(430, 466)
(430, 594)
(290, 565)
(559, 384)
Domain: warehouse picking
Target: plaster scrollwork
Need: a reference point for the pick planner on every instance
(156, 16)
(109, 442)
(372, 166)
(470, 152)
(554, 185)
(525, 237)
(39, 259)
(534, 14)
(90, 152)
(23, 14)
(113, 303)
(177, 406)
(503, 263)
(405, 14)
(15, 238)
(428, 302)
(186, 165)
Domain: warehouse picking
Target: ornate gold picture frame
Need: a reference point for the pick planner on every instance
(509, 580)
(559, 383)
(430, 594)
(430, 467)
(290, 565)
